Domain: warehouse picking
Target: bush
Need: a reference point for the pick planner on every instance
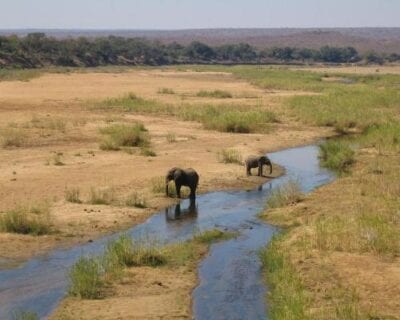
(336, 155)
(214, 94)
(86, 279)
(34, 221)
(287, 194)
(120, 135)
(230, 156)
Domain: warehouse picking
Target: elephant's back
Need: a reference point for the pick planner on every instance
(251, 160)
(190, 172)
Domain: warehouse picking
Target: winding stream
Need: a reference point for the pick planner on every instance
(230, 277)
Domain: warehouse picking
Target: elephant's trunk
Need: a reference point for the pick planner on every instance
(166, 186)
(270, 168)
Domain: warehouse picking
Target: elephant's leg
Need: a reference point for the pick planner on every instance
(260, 171)
(248, 170)
(178, 189)
(192, 193)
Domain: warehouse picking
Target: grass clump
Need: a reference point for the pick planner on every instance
(219, 94)
(102, 196)
(166, 91)
(86, 278)
(230, 156)
(121, 135)
(132, 103)
(13, 137)
(287, 298)
(287, 194)
(25, 315)
(336, 155)
(72, 195)
(147, 152)
(57, 124)
(34, 220)
(211, 236)
(136, 200)
(171, 137)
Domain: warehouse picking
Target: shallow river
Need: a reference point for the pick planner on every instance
(230, 277)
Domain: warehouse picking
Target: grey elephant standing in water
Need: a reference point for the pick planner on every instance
(183, 177)
(257, 162)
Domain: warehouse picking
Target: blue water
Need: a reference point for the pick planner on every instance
(230, 278)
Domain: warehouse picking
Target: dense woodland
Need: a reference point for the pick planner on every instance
(37, 50)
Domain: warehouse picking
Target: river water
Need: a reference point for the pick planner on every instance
(230, 285)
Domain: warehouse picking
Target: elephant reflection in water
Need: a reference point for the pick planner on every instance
(189, 213)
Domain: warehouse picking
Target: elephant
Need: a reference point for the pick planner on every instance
(257, 162)
(182, 177)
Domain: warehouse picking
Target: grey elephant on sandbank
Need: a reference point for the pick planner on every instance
(257, 162)
(182, 177)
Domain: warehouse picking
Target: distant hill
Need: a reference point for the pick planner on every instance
(382, 40)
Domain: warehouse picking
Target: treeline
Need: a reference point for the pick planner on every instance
(38, 50)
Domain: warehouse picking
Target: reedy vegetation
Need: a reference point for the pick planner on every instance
(223, 117)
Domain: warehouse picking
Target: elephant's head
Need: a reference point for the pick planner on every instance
(171, 175)
(265, 160)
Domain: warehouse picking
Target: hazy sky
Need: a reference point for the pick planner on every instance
(179, 14)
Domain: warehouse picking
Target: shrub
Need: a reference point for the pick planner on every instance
(86, 278)
(220, 94)
(34, 221)
(287, 194)
(120, 135)
(336, 155)
(230, 156)
(72, 195)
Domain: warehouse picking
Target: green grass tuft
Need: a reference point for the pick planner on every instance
(336, 155)
(86, 278)
(287, 194)
(34, 221)
(211, 236)
(102, 196)
(230, 156)
(121, 135)
(287, 298)
(136, 200)
(220, 94)
(72, 195)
